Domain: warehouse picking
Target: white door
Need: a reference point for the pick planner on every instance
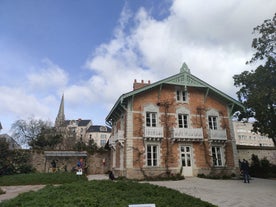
(186, 160)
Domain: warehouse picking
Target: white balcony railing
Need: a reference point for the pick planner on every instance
(119, 136)
(217, 135)
(112, 142)
(153, 132)
(186, 134)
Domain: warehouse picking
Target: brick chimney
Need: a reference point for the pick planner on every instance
(137, 85)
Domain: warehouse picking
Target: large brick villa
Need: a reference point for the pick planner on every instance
(179, 124)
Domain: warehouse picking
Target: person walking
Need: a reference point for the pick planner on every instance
(245, 171)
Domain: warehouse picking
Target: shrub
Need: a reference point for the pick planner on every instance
(13, 161)
(261, 168)
(201, 175)
(164, 178)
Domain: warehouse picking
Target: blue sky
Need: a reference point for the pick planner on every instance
(93, 50)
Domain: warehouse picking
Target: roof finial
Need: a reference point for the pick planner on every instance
(185, 68)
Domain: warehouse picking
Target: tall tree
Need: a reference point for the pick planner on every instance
(258, 87)
(47, 139)
(265, 41)
(35, 133)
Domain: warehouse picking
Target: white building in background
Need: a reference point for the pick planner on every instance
(81, 129)
(244, 136)
(7, 138)
(100, 134)
(12, 143)
(78, 127)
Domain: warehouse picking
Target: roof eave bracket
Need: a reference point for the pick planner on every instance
(206, 95)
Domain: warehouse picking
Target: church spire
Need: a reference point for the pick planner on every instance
(60, 117)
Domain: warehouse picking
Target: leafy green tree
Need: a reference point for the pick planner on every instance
(258, 88)
(47, 139)
(90, 147)
(265, 42)
(13, 161)
(5, 167)
(261, 168)
(80, 146)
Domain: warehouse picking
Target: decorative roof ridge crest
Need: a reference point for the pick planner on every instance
(185, 68)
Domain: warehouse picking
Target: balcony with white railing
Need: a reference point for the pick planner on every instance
(112, 142)
(187, 134)
(119, 137)
(153, 133)
(217, 135)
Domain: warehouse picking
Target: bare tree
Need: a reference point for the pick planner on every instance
(27, 131)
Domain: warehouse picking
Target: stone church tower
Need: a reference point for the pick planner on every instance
(60, 119)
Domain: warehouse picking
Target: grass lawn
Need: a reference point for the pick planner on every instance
(103, 193)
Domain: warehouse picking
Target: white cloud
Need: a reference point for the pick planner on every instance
(48, 77)
(34, 95)
(221, 22)
(214, 41)
(17, 101)
(79, 94)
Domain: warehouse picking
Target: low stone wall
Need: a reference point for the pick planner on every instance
(97, 163)
(245, 152)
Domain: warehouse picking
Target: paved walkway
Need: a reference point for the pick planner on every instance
(227, 193)
(224, 193)
(13, 191)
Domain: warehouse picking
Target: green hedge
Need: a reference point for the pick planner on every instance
(261, 168)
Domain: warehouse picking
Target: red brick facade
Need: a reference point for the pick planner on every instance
(149, 138)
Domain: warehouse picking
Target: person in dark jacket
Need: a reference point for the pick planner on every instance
(111, 175)
(54, 165)
(245, 171)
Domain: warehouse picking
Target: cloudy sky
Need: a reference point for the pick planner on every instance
(93, 50)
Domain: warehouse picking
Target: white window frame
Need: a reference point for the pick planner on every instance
(181, 95)
(217, 155)
(213, 122)
(151, 119)
(151, 108)
(185, 112)
(183, 120)
(102, 142)
(152, 161)
(103, 136)
(213, 119)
